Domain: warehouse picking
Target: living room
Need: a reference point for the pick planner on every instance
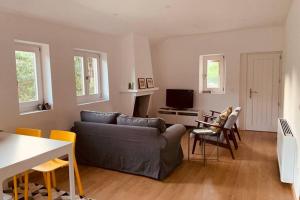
(92, 59)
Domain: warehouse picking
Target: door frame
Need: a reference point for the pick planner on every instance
(243, 93)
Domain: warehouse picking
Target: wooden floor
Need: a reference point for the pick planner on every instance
(253, 175)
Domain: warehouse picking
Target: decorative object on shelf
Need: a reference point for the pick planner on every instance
(142, 83)
(40, 106)
(131, 85)
(44, 106)
(150, 83)
(47, 106)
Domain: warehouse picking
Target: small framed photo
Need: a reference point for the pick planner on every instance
(150, 83)
(142, 83)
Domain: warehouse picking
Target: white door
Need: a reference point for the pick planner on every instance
(262, 91)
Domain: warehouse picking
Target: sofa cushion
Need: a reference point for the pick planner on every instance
(221, 119)
(99, 117)
(145, 122)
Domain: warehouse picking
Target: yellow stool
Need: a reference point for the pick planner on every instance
(48, 168)
(28, 132)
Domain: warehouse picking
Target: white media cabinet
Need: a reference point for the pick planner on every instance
(172, 116)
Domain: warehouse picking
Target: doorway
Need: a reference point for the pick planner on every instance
(261, 90)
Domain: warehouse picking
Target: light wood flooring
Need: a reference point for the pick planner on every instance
(253, 175)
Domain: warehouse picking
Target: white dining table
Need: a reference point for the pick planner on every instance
(19, 153)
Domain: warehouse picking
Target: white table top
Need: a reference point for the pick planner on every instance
(19, 153)
(17, 148)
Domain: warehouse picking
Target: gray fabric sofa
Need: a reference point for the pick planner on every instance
(132, 145)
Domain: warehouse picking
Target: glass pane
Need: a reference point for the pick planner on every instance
(92, 74)
(26, 76)
(213, 74)
(79, 75)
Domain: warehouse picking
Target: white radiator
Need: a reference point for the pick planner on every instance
(286, 151)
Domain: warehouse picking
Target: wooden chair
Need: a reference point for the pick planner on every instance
(27, 132)
(220, 138)
(234, 128)
(48, 168)
(230, 124)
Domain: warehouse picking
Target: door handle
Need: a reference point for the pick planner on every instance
(252, 92)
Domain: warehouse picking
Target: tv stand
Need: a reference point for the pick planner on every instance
(174, 116)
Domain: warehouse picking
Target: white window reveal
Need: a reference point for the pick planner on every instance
(33, 75)
(88, 77)
(212, 74)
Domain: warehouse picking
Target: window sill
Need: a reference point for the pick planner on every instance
(201, 92)
(93, 102)
(34, 112)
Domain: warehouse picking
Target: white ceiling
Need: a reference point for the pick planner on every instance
(154, 18)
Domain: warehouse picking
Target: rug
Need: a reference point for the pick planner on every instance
(39, 192)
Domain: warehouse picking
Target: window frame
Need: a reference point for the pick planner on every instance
(89, 98)
(222, 69)
(31, 105)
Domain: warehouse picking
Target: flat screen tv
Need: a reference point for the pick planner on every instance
(180, 99)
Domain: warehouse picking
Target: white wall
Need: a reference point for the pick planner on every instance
(291, 108)
(62, 41)
(136, 59)
(136, 63)
(142, 56)
(128, 61)
(176, 62)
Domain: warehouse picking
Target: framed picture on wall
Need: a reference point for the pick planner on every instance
(142, 83)
(150, 83)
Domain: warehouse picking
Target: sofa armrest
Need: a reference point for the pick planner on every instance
(171, 154)
(173, 135)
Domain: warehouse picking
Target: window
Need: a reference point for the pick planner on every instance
(33, 75)
(212, 74)
(29, 78)
(87, 76)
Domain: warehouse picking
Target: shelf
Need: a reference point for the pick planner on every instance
(140, 90)
(35, 112)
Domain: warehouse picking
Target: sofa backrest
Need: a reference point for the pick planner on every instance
(142, 122)
(99, 117)
(110, 132)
